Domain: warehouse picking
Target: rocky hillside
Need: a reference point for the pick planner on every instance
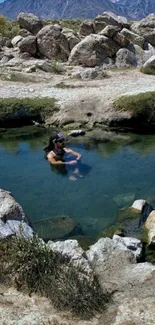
(57, 9)
(133, 9)
(136, 9)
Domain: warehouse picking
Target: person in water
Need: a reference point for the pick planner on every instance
(56, 153)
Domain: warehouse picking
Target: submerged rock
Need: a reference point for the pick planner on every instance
(59, 227)
(123, 199)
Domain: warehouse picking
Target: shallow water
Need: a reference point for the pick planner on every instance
(116, 173)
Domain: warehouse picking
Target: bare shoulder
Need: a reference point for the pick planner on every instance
(68, 150)
(51, 154)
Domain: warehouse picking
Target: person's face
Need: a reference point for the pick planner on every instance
(61, 143)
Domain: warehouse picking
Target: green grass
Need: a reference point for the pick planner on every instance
(73, 24)
(18, 77)
(32, 267)
(142, 104)
(33, 106)
(148, 70)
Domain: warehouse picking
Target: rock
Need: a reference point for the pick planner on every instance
(139, 204)
(6, 58)
(123, 199)
(30, 22)
(9, 208)
(145, 28)
(72, 250)
(125, 59)
(121, 40)
(92, 73)
(29, 45)
(52, 43)
(12, 217)
(24, 33)
(25, 56)
(12, 227)
(110, 31)
(92, 50)
(16, 40)
(117, 270)
(108, 18)
(71, 36)
(150, 62)
(134, 244)
(86, 28)
(44, 66)
(132, 37)
(150, 226)
(148, 53)
(59, 227)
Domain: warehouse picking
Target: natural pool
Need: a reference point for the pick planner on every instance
(119, 171)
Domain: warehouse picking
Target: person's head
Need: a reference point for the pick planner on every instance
(55, 141)
(59, 140)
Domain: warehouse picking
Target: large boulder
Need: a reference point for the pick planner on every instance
(71, 36)
(72, 250)
(29, 45)
(12, 217)
(110, 31)
(125, 58)
(150, 226)
(30, 22)
(93, 50)
(109, 18)
(52, 43)
(16, 40)
(59, 227)
(86, 27)
(132, 37)
(150, 62)
(145, 28)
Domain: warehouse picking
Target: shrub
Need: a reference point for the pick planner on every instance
(148, 70)
(8, 28)
(35, 106)
(32, 267)
(57, 67)
(142, 104)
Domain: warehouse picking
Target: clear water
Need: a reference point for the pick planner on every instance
(113, 168)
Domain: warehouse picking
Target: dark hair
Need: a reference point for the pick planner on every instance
(50, 145)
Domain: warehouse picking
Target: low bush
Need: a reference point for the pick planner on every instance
(8, 28)
(38, 106)
(142, 104)
(34, 268)
(148, 70)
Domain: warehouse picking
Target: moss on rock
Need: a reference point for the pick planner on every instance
(60, 227)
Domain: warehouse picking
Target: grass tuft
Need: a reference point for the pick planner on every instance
(148, 70)
(142, 104)
(34, 268)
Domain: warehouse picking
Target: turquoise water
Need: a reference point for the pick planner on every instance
(116, 173)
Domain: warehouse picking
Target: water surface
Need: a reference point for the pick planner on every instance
(114, 170)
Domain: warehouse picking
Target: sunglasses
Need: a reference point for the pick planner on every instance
(61, 140)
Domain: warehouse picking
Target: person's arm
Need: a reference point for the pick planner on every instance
(75, 153)
(53, 161)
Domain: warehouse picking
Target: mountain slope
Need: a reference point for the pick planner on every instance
(57, 9)
(136, 9)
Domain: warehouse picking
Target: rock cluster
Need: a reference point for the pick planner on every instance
(108, 40)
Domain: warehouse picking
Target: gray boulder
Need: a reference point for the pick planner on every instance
(72, 250)
(132, 37)
(145, 28)
(86, 28)
(92, 50)
(16, 40)
(52, 43)
(108, 18)
(12, 217)
(72, 37)
(110, 31)
(125, 59)
(24, 33)
(150, 62)
(29, 45)
(30, 22)
(134, 244)
(150, 226)
(121, 40)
